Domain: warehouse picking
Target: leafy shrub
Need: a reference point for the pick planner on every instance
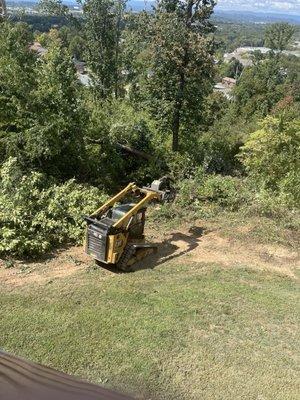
(179, 166)
(217, 151)
(36, 215)
(271, 157)
(224, 191)
(166, 212)
(269, 205)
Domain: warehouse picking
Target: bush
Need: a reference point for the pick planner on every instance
(217, 152)
(266, 204)
(224, 191)
(179, 166)
(36, 215)
(271, 157)
(205, 196)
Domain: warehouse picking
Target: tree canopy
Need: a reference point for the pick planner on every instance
(148, 106)
(278, 36)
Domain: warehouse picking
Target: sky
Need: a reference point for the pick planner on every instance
(260, 5)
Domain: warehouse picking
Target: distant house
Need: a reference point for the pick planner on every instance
(243, 54)
(82, 73)
(38, 48)
(229, 82)
(80, 66)
(224, 89)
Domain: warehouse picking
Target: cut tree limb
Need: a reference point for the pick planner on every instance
(126, 148)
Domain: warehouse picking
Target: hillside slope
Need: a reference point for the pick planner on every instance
(216, 317)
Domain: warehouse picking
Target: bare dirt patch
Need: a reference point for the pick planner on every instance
(195, 244)
(198, 244)
(57, 265)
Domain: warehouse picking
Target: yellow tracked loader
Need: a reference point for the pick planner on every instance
(115, 232)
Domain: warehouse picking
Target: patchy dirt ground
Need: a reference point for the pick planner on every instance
(200, 243)
(57, 265)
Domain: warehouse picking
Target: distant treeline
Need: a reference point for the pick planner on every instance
(41, 23)
(256, 17)
(229, 35)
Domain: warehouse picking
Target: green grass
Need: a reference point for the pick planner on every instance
(176, 332)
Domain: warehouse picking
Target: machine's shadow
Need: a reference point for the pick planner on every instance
(170, 248)
(167, 250)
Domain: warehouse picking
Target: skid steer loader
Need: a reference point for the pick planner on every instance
(115, 232)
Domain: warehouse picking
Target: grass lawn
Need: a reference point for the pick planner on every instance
(180, 331)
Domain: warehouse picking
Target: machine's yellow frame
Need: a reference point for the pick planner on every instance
(131, 187)
(118, 241)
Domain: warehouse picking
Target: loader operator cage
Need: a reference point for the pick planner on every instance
(137, 221)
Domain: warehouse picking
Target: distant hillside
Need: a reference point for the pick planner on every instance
(227, 15)
(258, 17)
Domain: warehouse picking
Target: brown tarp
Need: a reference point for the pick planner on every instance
(23, 380)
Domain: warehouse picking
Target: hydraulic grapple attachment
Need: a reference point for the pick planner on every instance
(163, 187)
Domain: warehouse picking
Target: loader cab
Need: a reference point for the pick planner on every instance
(137, 221)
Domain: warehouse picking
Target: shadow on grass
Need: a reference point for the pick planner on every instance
(177, 245)
(167, 250)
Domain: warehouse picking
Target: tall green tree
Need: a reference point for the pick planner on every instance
(54, 140)
(17, 78)
(41, 122)
(278, 36)
(101, 30)
(181, 68)
(54, 7)
(259, 88)
(103, 21)
(136, 54)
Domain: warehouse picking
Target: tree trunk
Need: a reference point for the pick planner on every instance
(127, 149)
(177, 112)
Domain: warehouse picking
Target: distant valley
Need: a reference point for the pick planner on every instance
(260, 16)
